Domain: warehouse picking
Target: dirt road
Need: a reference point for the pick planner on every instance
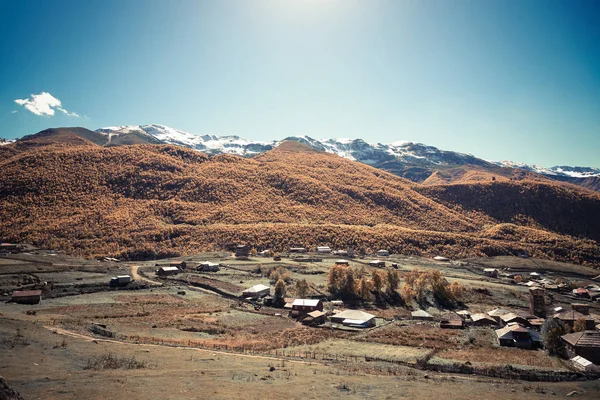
(136, 276)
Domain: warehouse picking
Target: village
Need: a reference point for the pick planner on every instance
(381, 310)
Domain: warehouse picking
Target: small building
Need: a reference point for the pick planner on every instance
(464, 314)
(536, 323)
(482, 319)
(298, 250)
(584, 365)
(570, 316)
(581, 292)
(9, 248)
(257, 291)
(451, 321)
(323, 249)
(496, 313)
(491, 272)
(314, 318)
(178, 264)
(26, 296)
(513, 317)
(377, 264)
(354, 318)
(242, 250)
(535, 275)
(585, 344)
(422, 315)
(440, 258)
(208, 266)
(120, 281)
(167, 271)
(383, 253)
(342, 262)
(516, 335)
(301, 307)
(581, 308)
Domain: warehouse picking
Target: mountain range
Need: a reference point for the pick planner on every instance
(414, 161)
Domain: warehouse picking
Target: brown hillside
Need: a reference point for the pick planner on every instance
(140, 201)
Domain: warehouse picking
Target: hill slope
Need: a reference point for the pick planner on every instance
(140, 201)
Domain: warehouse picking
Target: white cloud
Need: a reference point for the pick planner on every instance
(43, 104)
(14, 112)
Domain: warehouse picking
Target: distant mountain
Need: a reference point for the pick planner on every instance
(5, 141)
(414, 161)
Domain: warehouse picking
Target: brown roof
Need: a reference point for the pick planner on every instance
(570, 315)
(26, 293)
(583, 339)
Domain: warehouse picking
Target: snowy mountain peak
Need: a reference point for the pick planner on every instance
(376, 154)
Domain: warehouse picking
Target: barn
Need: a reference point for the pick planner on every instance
(257, 291)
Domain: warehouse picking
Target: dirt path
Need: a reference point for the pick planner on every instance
(136, 276)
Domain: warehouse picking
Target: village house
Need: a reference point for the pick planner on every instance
(585, 344)
(377, 264)
(513, 317)
(208, 266)
(422, 315)
(301, 307)
(497, 313)
(314, 318)
(242, 251)
(27, 296)
(9, 248)
(354, 318)
(342, 262)
(516, 335)
(298, 250)
(383, 253)
(451, 321)
(570, 316)
(257, 291)
(178, 264)
(537, 302)
(482, 319)
(584, 365)
(166, 271)
(323, 249)
(491, 272)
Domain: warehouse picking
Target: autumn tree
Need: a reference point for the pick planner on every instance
(280, 291)
(365, 286)
(336, 279)
(393, 280)
(455, 290)
(407, 293)
(579, 325)
(349, 288)
(378, 280)
(280, 273)
(302, 288)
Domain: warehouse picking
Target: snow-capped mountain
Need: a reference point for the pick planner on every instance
(5, 141)
(376, 154)
(562, 171)
(210, 144)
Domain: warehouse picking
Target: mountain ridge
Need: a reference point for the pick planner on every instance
(414, 161)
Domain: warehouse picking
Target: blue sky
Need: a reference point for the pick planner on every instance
(516, 80)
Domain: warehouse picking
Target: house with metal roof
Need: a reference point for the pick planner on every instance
(422, 314)
(257, 291)
(354, 318)
(585, 344)
(516, 335)
(513, 317)
(570, 316)
(584, 364)
(166, 271)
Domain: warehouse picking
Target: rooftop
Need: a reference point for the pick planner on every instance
(306, 302)
(355, 315)
(583, 339)
(26, 293)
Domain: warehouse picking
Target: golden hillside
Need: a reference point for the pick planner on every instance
(144, 200)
